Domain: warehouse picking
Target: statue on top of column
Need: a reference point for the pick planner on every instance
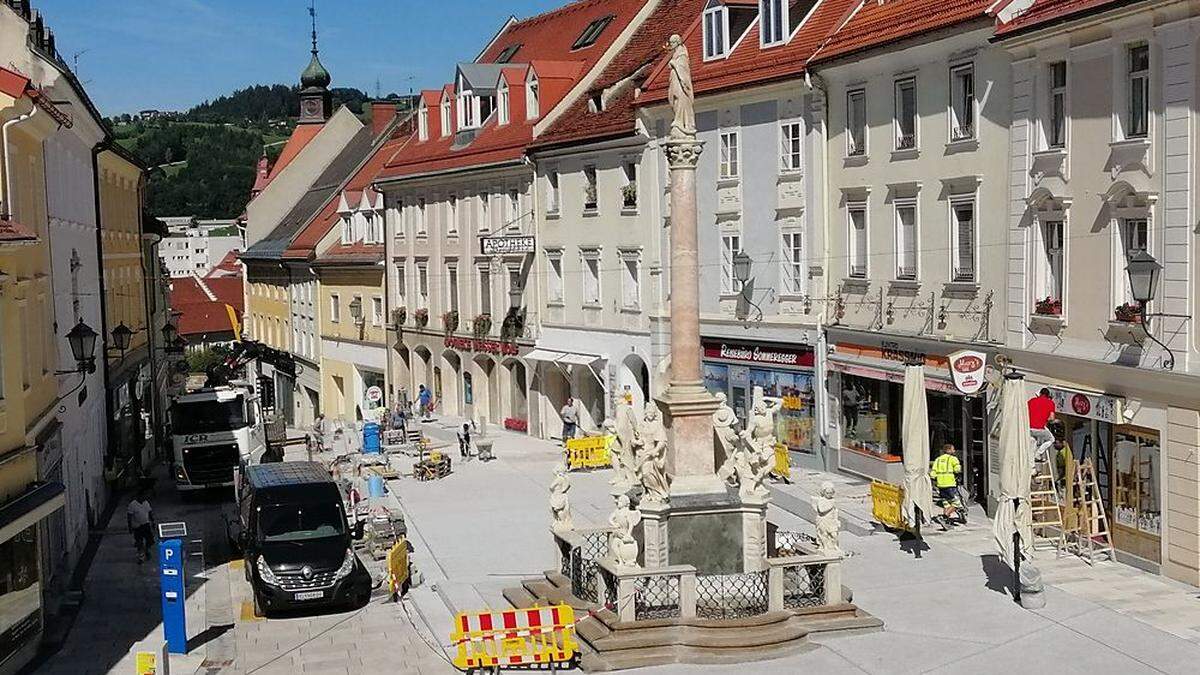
(680, 94)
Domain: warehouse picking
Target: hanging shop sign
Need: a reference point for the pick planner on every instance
(485, 346)
(507, 245)
(781, 356)
(1092, 406)
(967, 368)
(374, 394)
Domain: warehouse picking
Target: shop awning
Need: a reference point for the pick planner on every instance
(30, 508)
(561, 359)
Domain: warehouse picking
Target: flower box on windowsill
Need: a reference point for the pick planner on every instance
(1047, 324)
(1130, 312)
(1125, 332)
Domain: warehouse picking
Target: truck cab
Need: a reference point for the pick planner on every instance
(213, 432)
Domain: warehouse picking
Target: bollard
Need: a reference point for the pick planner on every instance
(150, 658)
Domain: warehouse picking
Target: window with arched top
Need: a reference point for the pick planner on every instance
(503, 103)
(447, 123)
(532, 93)
(423, 122)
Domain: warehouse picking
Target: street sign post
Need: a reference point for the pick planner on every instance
(174, 594)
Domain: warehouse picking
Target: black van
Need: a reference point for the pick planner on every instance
(295, 539)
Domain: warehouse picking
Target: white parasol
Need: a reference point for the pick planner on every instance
(918, 494)
(1015, 451)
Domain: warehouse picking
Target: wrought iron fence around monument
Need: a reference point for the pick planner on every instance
(786, 543)
(584, 563)
(657, 597)
(731, 596)
(803, 586)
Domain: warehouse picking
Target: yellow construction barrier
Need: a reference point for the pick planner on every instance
(783, 462)
(885, 505)
(398, 569)
(517, 637)
(589, 453)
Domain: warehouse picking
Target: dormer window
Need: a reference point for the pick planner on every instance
(773, 21)
(446, 121)
(592, 33)
(347, 230)
(423, 122)
(532, 105)
(716, 30)
(507, 55)
(468, 111)
(503, 103)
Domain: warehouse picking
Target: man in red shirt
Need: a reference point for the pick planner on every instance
(1041, 412)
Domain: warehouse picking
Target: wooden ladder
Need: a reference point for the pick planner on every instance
(1046, 507)
(1093, 538)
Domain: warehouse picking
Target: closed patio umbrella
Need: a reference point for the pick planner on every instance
(1013, 513)
(918, 493)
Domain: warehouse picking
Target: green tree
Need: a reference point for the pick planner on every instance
(201, 360)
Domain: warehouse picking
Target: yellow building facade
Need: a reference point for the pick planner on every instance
(353, 334)
(268, 312)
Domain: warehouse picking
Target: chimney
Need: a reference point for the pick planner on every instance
(382, 114)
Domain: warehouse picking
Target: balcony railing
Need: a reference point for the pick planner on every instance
(906, 141)
(962, 132)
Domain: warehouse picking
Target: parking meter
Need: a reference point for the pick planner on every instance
(174, 594)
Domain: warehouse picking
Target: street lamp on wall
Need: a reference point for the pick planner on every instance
(356, 312)
(169, 333)
(121, 336)
(742, 264)
(82, 340)
(1144, 274)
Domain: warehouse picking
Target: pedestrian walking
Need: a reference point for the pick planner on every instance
(464, 441)
(139, 516)
(946, 470)
(570, 420)
(424, 401)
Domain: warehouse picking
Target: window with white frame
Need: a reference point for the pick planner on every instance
(552, 194)
(1137, 116)
(791, 146)
(1135, 238)
(452, 286)
(792, 255)
(591, 276)
(631, 265)
(591, 192)
(554, 276)
(423, 122)
(773, 21)
(375, 225)
(856, 216)
(401, 283)
(629, 190)
(394, 216)
(1052, 261)
(485, 211)
(335, 307)
(731, 245)
(1056, 105)
(502, 96)
(962, 241)
(906, 114)
(532, 97)
(347, 230)
(716, 30)
(422, 222)
(906, 241)
(514, 208)
(377, 311)
(452, 215)
(962, 102)
(856, 122)
(485, 289)
(729, 154)
(447, 122)
(422, 285)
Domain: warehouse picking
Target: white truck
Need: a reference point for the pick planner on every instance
(213, 432)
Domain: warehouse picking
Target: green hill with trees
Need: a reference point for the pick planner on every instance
(202, 161)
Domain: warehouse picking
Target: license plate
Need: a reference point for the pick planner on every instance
(310, 595)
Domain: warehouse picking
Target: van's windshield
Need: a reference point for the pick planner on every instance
(296, 522)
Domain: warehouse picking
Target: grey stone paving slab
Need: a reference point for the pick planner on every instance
(1054, 649)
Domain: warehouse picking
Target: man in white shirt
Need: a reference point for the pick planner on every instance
(140, 518)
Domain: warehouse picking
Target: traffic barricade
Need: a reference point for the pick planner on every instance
(589, 453)
(783, 463)
(541, 636)
(886, 499)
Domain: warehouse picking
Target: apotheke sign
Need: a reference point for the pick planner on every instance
(507, 245)
(755, 354)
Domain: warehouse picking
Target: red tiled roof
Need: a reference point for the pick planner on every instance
(203, 318)
(193, 291)
(749, 63)
(546, 42)
(349, 254)
(12, 232)
(301, 137)
(644, 49)
(187, 291)
(228, 290)
(876, 23)
(303, 246)
(1042, 12)
(229, 266)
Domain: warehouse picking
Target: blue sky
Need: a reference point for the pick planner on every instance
(172, 54)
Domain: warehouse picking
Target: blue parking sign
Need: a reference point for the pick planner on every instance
(174, 594)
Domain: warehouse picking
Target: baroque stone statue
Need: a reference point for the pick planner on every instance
(680, 93)
(828, 523)
(560, 505)
(762, 430)
(622, 545)
(652, 457)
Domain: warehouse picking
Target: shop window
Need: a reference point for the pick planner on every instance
(866, 404)
(20, 592)
(1137, 513)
